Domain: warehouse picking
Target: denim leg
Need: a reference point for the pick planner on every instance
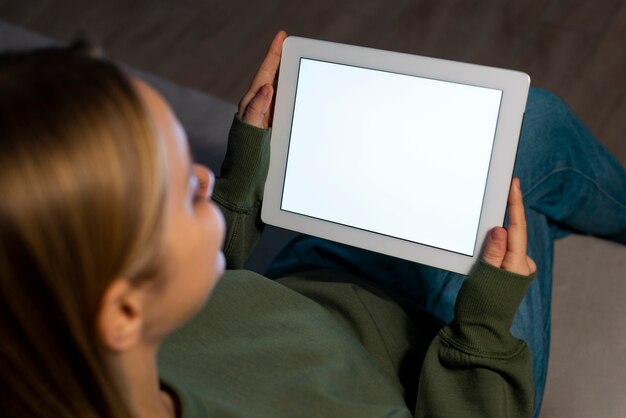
(570, 184)
(567, 175)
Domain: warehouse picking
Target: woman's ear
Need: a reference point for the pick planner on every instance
(120, 318)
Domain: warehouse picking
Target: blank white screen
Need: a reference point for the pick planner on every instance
(394, 154)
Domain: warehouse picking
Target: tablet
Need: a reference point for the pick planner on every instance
(400, 154)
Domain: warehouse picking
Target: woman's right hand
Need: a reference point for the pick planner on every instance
(506, 248)
(256, 106)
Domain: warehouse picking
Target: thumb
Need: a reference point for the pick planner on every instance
(494, 249)
(254, 113)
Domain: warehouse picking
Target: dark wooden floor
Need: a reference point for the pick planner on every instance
(577, 48)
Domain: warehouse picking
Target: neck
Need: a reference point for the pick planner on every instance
(139, 382)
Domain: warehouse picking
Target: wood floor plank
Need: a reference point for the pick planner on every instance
(421, 30)
(516, 23)
(613, 133)
(608, 64)
(595, 101)
(586, 16)
(554, 56)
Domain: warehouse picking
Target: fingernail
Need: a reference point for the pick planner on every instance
(496, 234)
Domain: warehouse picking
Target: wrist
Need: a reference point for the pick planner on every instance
(245, 165)
(486, 306)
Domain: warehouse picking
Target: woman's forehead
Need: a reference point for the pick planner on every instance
(170, 129)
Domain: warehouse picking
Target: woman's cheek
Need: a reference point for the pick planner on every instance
(215, 228)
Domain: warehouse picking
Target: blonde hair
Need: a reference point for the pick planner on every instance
(82, 191)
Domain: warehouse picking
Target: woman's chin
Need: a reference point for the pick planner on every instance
(218, 271)
(220, 265)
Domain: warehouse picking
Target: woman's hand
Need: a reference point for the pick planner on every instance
(256, 106)
(506, 249)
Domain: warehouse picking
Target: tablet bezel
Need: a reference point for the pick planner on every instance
(514, 86)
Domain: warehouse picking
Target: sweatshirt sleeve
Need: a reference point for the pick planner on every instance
(239, 189)
(475, 367)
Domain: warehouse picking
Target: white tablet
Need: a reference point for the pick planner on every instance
(400, 154)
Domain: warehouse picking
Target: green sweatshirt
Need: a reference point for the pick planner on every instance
(328, 344)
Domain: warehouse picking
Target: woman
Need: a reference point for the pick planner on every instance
(109, 243)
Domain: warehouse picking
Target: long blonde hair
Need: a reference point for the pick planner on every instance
(82, 189)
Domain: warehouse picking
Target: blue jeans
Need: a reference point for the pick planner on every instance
(571, 184)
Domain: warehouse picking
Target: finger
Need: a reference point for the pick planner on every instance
(267, 71)
(258, 107)
(516, 259)
(517, 221)
(269, 66)
(494, 249)
(532, 267)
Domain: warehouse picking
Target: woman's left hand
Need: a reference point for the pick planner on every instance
(506, 249)
(256, 106)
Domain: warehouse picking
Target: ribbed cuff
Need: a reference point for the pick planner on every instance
(245, 166)
(485, 308)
